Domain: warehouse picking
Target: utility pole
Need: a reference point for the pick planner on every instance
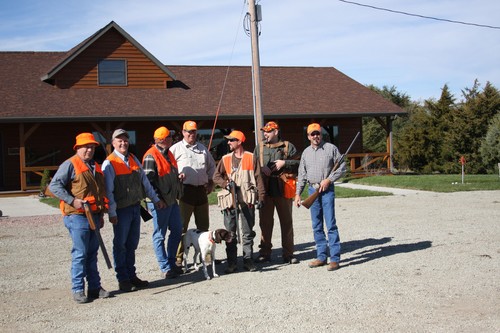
(256, 82)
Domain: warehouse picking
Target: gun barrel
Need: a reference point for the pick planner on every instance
(95, 227)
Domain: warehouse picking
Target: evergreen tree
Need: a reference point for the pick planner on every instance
(470, 123)
(441, 119)
(490, 147)
(374, 139)
(433, 136)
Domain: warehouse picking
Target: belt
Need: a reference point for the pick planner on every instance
(314, 185)
(197, 186)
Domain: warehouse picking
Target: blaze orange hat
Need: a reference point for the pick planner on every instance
(313, 127)
(83, 139)
(161, 133)
(189, 126)
(236, 135)
(270, 126)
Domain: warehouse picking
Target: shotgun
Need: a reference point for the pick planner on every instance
(95, 227)
(235, 205)
(310, 199)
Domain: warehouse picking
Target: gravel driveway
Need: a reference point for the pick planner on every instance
(412, 262)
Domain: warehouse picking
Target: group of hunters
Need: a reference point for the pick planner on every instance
(174, 180)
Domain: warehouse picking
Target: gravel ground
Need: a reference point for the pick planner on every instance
(412, 262)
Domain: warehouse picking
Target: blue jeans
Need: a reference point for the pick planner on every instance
(163, 219)
(83, 253)
(323, 209)
(127, 232)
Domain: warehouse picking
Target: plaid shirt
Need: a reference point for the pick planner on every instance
(316, 164)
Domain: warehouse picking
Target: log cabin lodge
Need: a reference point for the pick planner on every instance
(110, 81)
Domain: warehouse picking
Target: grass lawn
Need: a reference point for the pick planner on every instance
(434, 183)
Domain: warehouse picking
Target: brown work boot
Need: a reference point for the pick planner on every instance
(333, 266)
(317, 263)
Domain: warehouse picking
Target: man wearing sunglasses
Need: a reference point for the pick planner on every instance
(316, 169)
(196, 168)
(238, 174)
(278, 159)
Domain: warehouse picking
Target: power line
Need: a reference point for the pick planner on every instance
(421, 16)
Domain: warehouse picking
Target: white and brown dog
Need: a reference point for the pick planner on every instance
(204, 243)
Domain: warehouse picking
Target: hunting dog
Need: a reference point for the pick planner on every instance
(204, 243)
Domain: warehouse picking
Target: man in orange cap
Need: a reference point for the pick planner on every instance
(316, 169)
(161, 169)
(196, 167)
(279, 162)
(238, 172)
(79, 179)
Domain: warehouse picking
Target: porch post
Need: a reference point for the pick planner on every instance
(389, 145)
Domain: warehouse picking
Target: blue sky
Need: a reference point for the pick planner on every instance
(416, 55)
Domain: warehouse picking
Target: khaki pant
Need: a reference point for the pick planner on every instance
(284, 208)
(201, 216)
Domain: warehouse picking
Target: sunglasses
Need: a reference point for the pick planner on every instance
(190, 132)
(316, 133)
(232, 140)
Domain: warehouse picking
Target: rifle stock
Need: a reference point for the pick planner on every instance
(310, 199)
(94, 227)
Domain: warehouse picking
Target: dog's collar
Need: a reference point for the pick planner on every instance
(211, 237)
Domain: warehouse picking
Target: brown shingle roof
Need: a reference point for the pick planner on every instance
(286, 92)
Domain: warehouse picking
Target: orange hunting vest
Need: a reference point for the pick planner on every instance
(243, 177)
(86, 186)
(169, 185)
(128, 183)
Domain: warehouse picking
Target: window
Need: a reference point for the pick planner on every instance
(112, 72)
(332, 134)
(100, 151)
(219, 145)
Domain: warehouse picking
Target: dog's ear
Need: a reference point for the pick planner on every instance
(220, 235)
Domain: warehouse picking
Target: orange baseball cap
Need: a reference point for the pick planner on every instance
(313, 127)
(270, 126)
(161, 133)
(236, 135)
(189, 126)
(83, 139)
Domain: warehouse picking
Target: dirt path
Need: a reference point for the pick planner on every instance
(420, 262)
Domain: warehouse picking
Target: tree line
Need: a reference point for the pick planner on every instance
(435, 134)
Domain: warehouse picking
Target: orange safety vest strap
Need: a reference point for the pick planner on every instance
(245, 164)
(119, 165)
(164, 167)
